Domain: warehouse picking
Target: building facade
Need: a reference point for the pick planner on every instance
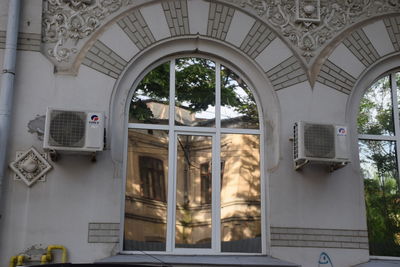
(199, 100)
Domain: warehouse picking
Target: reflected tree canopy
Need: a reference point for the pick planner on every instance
(376, 109)
(379, 166)
(195, 93)
(172, 147)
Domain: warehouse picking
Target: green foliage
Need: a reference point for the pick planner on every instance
(383, 210)
(195, 89)
(376, 112)
(245, 104)
(195, 83)
(378, 158)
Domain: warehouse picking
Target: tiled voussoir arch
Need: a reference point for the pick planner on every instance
(344, 61)
(122, 39)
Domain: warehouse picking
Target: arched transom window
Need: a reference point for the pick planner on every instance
(193, 181)
(379, 144)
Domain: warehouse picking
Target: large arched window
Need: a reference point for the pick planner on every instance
(193, 179)
(379, 145)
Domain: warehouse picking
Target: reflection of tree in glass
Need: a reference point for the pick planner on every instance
(379, 166)
(195, 83)
(242, 103)
(195, 87)
(154, 87)
(376, 112)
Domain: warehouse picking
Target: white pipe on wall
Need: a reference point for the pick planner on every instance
(7, 82)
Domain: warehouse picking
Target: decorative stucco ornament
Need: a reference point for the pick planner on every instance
(65, 22)
(309, 24)
(30, 166)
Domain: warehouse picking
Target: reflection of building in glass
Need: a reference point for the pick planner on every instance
(240, 191)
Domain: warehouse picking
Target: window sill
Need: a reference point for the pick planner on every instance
(194, 260)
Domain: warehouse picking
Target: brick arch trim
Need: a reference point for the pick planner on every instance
(123, 38)
(342, 63)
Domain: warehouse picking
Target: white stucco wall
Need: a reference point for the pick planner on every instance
(78, 192)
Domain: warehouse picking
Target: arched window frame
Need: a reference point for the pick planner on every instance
(382, 137)
(215, 132)
(395, 112)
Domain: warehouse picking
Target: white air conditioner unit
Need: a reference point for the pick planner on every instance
(72, 130)
(320, 143)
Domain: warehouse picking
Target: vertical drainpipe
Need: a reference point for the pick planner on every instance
(7, 83)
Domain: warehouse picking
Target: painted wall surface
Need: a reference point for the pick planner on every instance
(78, 193)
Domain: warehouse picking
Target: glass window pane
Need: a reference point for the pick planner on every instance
(150, 101)
(397, 78)
(195, 92)
(238, 106)
(381, 184)
(193, 206)
(240, 193)
(146, 190)
(376, 111)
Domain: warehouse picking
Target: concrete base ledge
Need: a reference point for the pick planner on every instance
(381, 263)
(197, 260)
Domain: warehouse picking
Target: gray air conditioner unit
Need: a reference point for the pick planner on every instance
(320, 143)
(71, 130)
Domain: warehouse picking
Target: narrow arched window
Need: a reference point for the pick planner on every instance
(379, 146)
(194, 137)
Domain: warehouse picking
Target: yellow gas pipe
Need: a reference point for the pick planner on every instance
(13, 261)
(46, 258)
(17, 261)
(20, 260)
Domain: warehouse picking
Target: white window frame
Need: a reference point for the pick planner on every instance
(210, 131)
(395, 137)
(396, 118)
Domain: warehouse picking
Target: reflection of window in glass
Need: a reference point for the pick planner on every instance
(379, 134)
(204, 137)
(145, 193)
(152, 178)
(193, 222)
(205, 176)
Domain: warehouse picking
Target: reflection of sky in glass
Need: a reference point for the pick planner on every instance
(140, 94)
(228, 112)
(208, 114)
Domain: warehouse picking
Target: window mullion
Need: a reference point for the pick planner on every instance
(396, 119)
(171, 162)
(216, 168)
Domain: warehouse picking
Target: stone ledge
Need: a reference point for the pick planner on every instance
(197, 260)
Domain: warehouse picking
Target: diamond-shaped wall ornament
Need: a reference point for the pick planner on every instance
(30, 166)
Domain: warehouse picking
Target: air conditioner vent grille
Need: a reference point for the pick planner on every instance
(319, 141)
(67, 128)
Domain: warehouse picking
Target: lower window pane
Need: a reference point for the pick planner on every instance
(240, 193)
(381, 184)
(193, 192)
(146, 190)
